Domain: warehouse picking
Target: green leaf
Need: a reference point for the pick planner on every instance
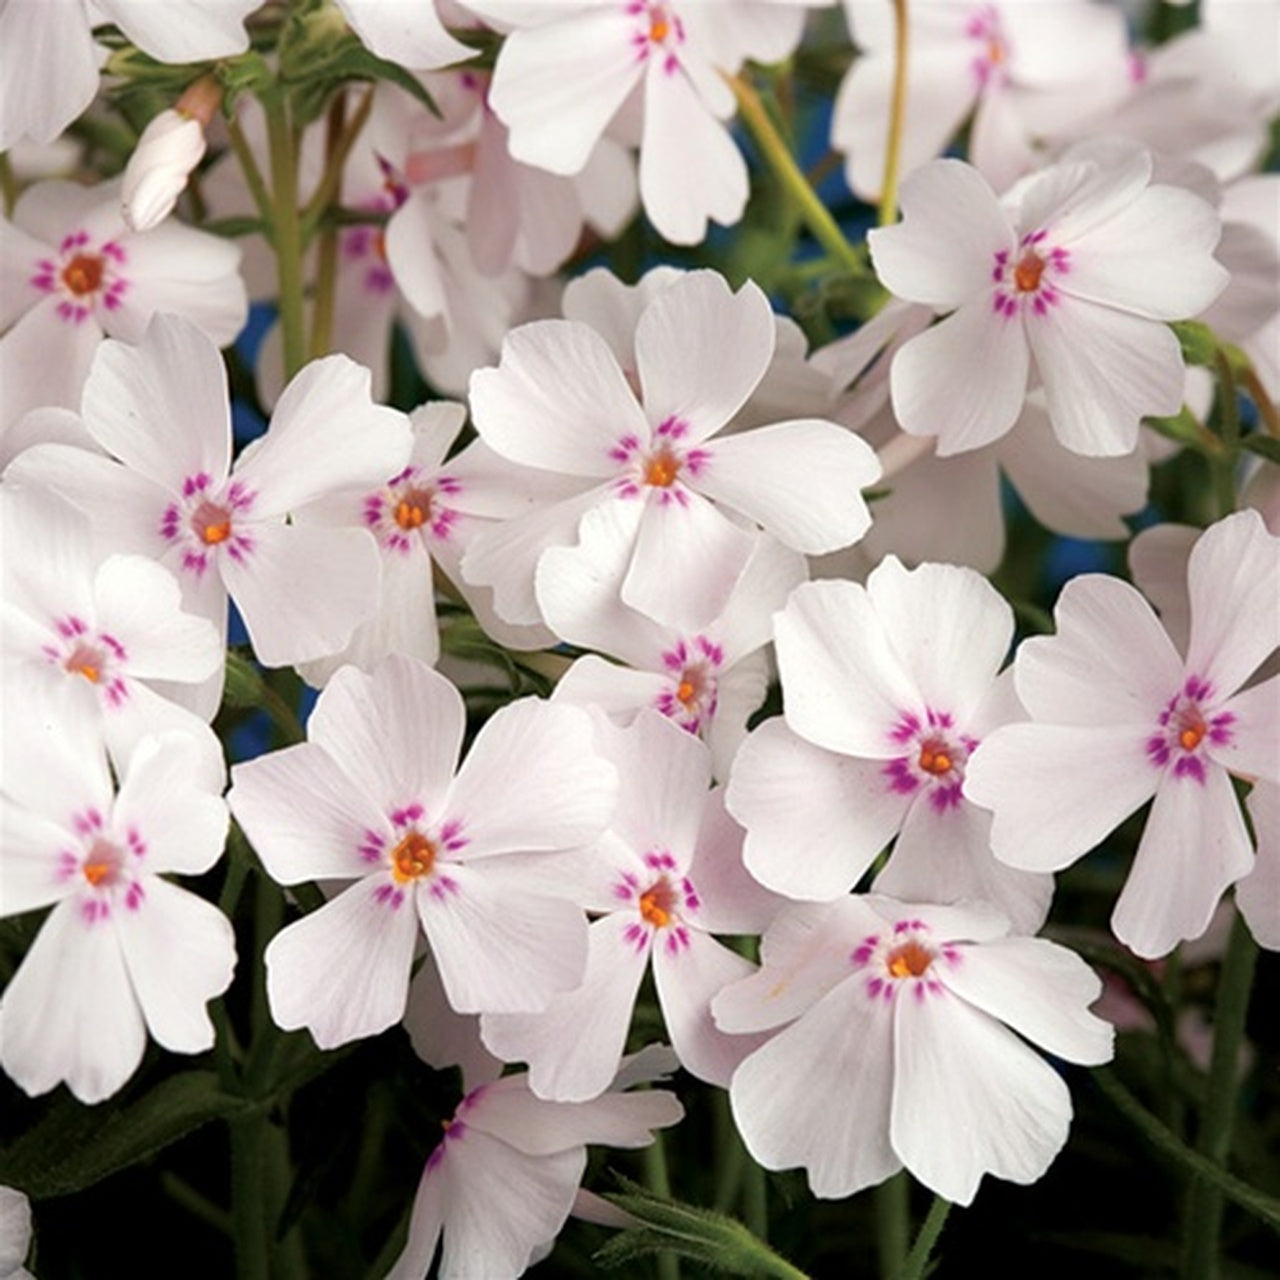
(1263, 445)
(713, 1239)
(1182, 427)
(75, 1146)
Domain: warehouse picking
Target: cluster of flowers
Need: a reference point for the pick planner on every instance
(663, 479)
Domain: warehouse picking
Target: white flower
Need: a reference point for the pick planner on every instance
(707, 681)
(504, 1178)
(887, 690)
(666, 877)
(372, 797)
(565, 70)
(1019, 68)
(161, 409)
(124, 952)
(1072, 277)
(408, 32)
(15, 1234)
(1118, 716)
(106, 635)
(901, 1046)
(49, 60)
(71, 271)
(559, 403)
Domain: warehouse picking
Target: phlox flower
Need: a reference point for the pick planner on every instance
(560, 403)
(1070, 278)
(1017, 68)
(49, 60)
(887, 690)
(505, 1176)
(107, 635)
(708, 682)
(161, 409)
(71, 271)
(666, 876)
(371, 797)
(1119, 717)
(950, 509)
(566, 69)
(903, 1042)
(124, 952)
(15, 1234)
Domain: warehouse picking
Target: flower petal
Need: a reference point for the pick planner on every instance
(181, 952)
(343, 971)
(970, 1098)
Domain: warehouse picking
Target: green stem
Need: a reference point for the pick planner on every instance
(755, 1200)
(282, 716)
(918, 1259)
(252, 175)
(8, 183)
(1168, 1144)
(288, 235)
(340, 144)
(249, 1197)
(731, 1155)
(1268, 411)
(893, 1220)
(658, 1180)
(1205, 1205)
(1224, 467)
(776, 152)
(897, 115)
(195, 1202)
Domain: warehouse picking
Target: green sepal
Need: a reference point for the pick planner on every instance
(716, 1240)
(1198, 344)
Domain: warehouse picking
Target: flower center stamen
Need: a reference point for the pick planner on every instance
(661, 469)
(414, 509)
(85, 660)
(1026, 275)
(413, 858)
(83, 274)
(909, 960)
(211, 523)
(103, 863)
(934, 758)
(657, 904)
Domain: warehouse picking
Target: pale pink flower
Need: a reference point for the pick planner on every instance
(161, 409)
(1118, 716)
(904, 1042)
(72, 272)
(105, 636)
(1017, 68)
(168, 151)
(1071, 279)
(371, 797)
(505, 1176)
(666, 876)
(707, 681)
(124, 952)
(690, 494)
(887, 690)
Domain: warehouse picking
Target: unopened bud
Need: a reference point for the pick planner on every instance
(170, 148)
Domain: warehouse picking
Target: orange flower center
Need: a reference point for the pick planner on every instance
(414, 509)
(102, 865)
(413, 858)
(1193, 735)
(661, 469)
(934, 758)
(83, 274)
(1026, 275)
(909, 960)
(657, 904)
(84, 660)
(211, 523)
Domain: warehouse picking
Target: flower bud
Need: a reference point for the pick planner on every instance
(170, 148)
